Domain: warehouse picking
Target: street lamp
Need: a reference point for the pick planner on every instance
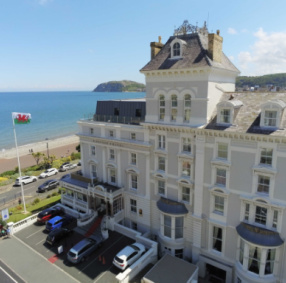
(48, 147)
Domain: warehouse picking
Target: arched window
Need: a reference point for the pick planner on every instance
(187, 108)
(174, 110)
(176, 49)
(162, 107)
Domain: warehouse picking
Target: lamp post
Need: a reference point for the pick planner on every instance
(48, 147)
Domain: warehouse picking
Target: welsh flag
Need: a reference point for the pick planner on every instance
(21, 118)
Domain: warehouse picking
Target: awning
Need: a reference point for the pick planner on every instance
(171, 207)
(259, 236)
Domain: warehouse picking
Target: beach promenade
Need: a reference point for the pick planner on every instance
(58, 147)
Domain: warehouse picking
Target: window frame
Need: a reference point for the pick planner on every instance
(174, 107)
(161, 142)
(92, 150)
(133, 206)
(187, 109)
(162, 107)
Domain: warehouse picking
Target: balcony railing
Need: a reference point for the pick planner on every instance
(118, 119)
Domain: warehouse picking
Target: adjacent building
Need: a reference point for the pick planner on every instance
(199, 166)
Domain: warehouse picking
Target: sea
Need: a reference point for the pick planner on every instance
(54, 114)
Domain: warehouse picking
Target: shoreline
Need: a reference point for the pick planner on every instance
(60, 147)
(39, 146)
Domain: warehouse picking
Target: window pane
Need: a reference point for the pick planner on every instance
(217, 239)
(270, 118)
(225, 116)
(222, 151)
(179, 227)
(263, 184)
(266, 156)
(270, 259)
(167, 226)
(186, 194)
(219, 204)
(161, 187)
(221, 176)
(261, 215)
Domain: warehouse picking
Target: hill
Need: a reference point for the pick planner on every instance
(120, 86)
(262, 81)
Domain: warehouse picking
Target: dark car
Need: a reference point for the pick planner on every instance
(66, 221)
(56, 235)
(48, 185)
(49, 213)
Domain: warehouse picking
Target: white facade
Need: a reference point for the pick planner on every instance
(212, 197)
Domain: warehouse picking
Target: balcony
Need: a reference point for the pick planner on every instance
(118, 119)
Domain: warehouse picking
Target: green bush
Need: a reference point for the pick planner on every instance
(36, 200)
(54, 194)
(75, 155)
(7, 173)
(48, 196)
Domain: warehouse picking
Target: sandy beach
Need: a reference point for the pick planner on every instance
(59, 147)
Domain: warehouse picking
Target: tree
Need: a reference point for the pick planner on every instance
(37, 156)
(78, 148)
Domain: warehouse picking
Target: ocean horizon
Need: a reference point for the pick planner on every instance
(54, 114)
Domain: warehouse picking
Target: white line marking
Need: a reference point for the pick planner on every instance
(8, 275)
(34, 234)
(40, 242)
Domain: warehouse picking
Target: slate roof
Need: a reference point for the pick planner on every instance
(247, 117)
(171, 206)
(259, 236)
(194, 55)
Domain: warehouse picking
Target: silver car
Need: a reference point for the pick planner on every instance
(83, 249)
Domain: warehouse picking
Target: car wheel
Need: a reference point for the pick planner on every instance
(34, 180)
(56, 173)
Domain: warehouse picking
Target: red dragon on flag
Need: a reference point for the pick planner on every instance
(21, 118)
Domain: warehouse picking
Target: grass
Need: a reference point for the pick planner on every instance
(17, 212)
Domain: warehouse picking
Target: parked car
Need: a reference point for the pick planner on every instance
(65, 176)
(56, 235)
(48, 185)
(25, 180)
(49, 172)
(68, 166)
(49, 213)
(83, 249)
(66, 221)
(128, 255)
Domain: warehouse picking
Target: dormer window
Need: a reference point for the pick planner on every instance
(270, 118)
(271, 113)
(225, 116)
(176, 49)
(226, 111)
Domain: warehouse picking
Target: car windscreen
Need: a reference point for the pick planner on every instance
(119, 259)
(72, 254)
(134, 247)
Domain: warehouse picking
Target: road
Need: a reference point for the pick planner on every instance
(13, 193)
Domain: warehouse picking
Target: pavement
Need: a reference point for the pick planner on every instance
(17, 258)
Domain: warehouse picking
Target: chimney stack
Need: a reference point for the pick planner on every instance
(215, 46)
(156, 47)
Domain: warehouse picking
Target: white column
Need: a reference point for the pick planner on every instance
(198, 191)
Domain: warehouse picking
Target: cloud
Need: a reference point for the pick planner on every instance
(267, 55)
(231, 31)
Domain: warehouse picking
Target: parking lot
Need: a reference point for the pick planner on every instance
(97, 268)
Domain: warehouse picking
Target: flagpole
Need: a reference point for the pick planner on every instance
(19, 167)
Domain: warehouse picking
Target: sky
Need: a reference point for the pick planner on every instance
(69, 45)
